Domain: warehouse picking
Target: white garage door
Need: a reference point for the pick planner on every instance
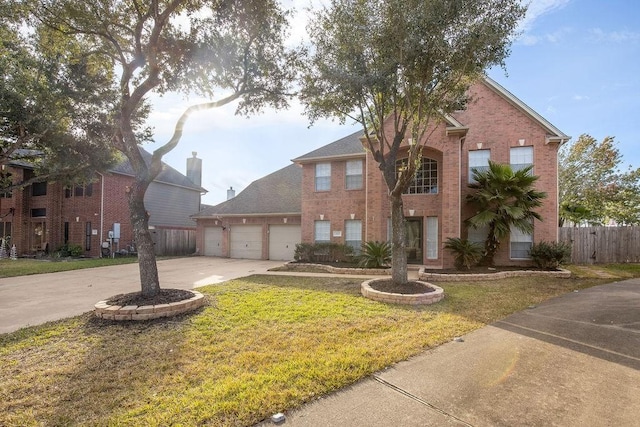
(282, 241)
(246, 241)
(213, 241)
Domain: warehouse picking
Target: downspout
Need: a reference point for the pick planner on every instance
(101, 210)
(366, 198)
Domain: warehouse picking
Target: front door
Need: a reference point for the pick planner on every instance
(413, 233)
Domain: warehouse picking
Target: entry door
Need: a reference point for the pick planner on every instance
(413, 234)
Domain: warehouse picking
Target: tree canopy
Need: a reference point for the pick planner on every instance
(398, 67)
(51, 117)
(222, 50)
(592, 187)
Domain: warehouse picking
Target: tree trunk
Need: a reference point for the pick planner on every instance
(491, 247)
(398, 241)
(150, 284)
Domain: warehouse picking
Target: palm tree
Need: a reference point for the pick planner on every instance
(504, 198)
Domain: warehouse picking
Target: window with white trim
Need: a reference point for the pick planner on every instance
(478, 160)
(322, 232)
(353, 175)
(353, 234)
(520, 244)
(432, 237)
(521, 157)
(323, 176)
(426, 178)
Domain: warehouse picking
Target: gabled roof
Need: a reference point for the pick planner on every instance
(167, 175)
(554, 134)
(275, 194)
(349, 146)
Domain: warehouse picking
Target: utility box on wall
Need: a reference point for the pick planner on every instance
(116, 230)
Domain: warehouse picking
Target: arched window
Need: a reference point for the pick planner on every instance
(426, 179)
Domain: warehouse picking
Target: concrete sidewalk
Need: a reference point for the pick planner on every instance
(572, 361)
(40, 298)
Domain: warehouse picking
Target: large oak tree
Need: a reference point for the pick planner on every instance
(398, 67)
(224, 50)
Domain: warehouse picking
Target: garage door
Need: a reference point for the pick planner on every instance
(213, 241)
(282, 241)
(246, 241)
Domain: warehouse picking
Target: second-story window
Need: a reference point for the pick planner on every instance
(521, 157)
(323, 176)
(39, 189)
(353, 178)
(478, 160)
(426, 179)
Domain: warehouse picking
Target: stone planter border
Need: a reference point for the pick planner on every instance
(297, 266)
(148, 312)
(475, 277)
(409, 299)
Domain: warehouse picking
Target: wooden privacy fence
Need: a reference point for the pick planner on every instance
(595, 245)
(174, 242)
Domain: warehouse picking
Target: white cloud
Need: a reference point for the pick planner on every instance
(537, 9)
(624, 36)
(580, 98)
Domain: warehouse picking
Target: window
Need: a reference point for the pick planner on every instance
(87, 237)
(79, 191)
(353, 179)
(432, 237)
(5, 229)
(521, 244)
(521, 157)
(426, 179)
(478, 160)
(39, 189)
(38, 213)
(353, 234)
(322, 232)
(5, 195)
(478, 235)
(323, 176)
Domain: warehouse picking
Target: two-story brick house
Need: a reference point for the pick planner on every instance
(47, 215)
(344, 197)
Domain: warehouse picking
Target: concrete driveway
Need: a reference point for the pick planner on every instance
(33, 300)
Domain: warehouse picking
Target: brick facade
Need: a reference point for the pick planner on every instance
(75, 216)
(493, 120)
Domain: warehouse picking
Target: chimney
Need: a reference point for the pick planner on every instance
(194, 169)
(231, 193)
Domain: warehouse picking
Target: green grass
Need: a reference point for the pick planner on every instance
(264, 344)
(24, 267)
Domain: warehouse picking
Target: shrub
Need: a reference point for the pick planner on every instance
(69, 250)
(323, 252)
(375, 254)
(550, 255)
(466, 253)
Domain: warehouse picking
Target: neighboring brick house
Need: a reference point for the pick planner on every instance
(344, 197)
(47, 215)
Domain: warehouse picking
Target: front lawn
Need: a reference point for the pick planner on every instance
(264, 344)
(25, 266)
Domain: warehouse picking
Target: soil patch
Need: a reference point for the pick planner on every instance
(409, 288)
(165, 296)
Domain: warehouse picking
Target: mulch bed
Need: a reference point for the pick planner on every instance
(165, 296)
(484, 270)
(409, 288)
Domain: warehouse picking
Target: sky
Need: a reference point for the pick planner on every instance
(575, 62)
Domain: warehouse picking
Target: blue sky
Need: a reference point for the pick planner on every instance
(577, 63)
